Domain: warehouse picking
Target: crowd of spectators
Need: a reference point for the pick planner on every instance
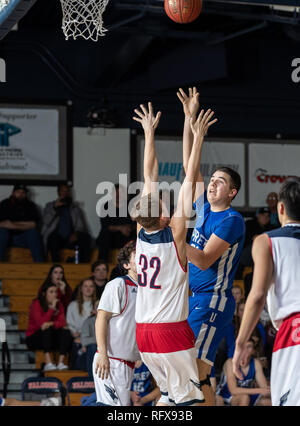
(63, 320)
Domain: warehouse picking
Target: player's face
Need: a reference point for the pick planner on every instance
(219, 190)
(132, 263)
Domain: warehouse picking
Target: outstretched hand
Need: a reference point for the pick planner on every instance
(190, 103)
(148, 120)
(200, 126)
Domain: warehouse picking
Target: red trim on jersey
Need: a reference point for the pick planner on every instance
(164, 337)
(130, 364)
(271, 248)
(288, 333)
(184, 269)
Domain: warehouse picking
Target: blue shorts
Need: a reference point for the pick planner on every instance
(209, 324)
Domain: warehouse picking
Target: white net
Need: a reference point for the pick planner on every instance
(83, 18)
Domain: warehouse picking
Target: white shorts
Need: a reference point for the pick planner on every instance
(115, 390)
(168, 350)
(176, 375)
(285, 371)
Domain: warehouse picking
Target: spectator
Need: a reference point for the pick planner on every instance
(144, 390)
(254, 227)
(88, 339)
(19, 220)
(99, 273)
(238, 295)
(99, 276)
(118, 230)
(272, 200)
(64, 226)
(56, 276)
(235, 392)
(46, 402)
(78, 311)
(47, 329)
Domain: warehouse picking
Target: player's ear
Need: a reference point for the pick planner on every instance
(232, 193)
(280, 208)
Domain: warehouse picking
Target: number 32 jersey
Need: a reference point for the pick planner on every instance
(163, 283)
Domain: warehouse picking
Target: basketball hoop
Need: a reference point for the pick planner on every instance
(83, 18)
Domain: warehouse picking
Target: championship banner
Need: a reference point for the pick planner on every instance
(269, 166)
(29, 141)
(214, 154)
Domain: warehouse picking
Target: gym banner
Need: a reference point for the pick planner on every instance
(29, 141)
(214, 154)
(269, 166)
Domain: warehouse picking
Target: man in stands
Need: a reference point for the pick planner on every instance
(19, 224)
(64, 226)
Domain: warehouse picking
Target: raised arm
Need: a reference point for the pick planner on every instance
(184, 205)
(190, 105)
(149, 123)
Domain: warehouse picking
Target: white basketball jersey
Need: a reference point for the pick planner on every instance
(284, 294)
(163, 284)
(121, 340)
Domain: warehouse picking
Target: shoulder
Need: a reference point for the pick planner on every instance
(72, 305)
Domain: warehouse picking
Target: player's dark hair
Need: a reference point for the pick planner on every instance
(235, 178)
(125, 253)
(289, 194)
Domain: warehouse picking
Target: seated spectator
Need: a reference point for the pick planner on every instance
(47, 329)
(19, 220)
(144, 390)
(254, 227)
(272, 200)
(56, 276)
(252, 390)
(116, 230)
(99, 276)
(64, 226)
(78, 311)
(88, 339)
(45, 402)
(238, 295)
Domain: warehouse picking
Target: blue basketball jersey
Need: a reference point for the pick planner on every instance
(247, 382)
(228, 225)
(142, 381)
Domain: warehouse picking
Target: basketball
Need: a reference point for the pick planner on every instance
(183, 11)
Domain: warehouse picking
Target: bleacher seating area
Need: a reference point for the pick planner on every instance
(20, 282)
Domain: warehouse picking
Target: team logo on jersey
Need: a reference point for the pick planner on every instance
(134, 290)
(197, 384)
(284, 398)
(111, 392)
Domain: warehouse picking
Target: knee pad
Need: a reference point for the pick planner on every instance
(205, 381)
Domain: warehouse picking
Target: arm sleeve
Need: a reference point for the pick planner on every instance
(71, 317)
(113, 298)
(60, 320)
(230, 229)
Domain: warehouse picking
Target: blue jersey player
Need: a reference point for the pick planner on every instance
(213, 253)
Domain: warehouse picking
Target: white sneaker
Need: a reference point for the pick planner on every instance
(53, 401)
(62, 366)
(50, 367)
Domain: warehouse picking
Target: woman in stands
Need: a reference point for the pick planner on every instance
(56, 276)
(78, 311)
(47, 329)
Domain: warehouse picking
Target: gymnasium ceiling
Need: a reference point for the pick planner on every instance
(145, 55)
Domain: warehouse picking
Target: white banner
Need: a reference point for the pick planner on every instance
(214, 154)
(269, 166)
(29, 141)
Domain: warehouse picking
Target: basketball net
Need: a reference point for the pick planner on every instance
(83, 18)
